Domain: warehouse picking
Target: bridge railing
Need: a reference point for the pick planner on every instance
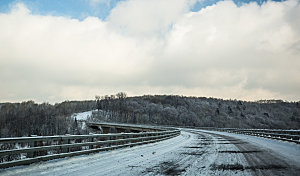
(119, 127)
(27, 150)
(284, 135)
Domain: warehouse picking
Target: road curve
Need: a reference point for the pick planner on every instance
(194, 152)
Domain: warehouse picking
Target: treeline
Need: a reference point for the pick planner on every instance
(29, 118)
(198, 111)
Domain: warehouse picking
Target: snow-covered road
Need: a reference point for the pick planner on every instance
(194, 152)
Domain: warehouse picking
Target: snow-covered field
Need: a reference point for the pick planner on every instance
(83, 115)
(194, 152)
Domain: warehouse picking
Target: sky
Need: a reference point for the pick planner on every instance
(53, 50)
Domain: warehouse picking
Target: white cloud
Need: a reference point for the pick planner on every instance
(227, 39)
(247, 52)
(96, 2)
(143, 18)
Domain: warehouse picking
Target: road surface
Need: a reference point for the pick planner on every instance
(194, 152)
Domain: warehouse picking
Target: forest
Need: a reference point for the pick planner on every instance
(30, 118)
(198, 111)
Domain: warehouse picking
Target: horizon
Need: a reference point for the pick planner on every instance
(137, 96)
(55, 51)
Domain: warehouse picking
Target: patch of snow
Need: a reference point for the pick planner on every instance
(83, 115)
(179, 153)
(115, 162)
(148, 159)
(289, 151)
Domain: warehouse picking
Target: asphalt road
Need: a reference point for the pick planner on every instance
(248, 158)
(194, 152)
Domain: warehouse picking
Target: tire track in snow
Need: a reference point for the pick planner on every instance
(211, 145)
(116, 162)
(259, 161)
(194, 152)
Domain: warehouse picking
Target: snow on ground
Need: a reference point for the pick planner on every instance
(194, 152)
(191, 153)
(288, 150)
(127, 161)
(83, 115)
(210, 146)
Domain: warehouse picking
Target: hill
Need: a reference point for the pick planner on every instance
(198, 111)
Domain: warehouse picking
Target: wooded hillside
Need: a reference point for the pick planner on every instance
(198, 111)
(29, 118)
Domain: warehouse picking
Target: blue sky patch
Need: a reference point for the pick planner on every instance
(204, 3)
(80, 9)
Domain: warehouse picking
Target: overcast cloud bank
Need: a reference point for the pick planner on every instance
(249, 52)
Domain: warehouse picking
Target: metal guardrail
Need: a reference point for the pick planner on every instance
(130, 126)
(27, 150)
(124, 127)
(284, 135)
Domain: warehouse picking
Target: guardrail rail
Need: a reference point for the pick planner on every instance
(26, 150)
(284, 135)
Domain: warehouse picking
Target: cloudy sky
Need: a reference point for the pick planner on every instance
(56, 50)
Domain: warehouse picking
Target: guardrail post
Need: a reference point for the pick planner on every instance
(32, 144)
(30, 154)
(130, 136)
(122, 137)
(66, 141)
(91, 140)
(143, 139)
(147, 135)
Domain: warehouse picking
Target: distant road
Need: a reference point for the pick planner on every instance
(194, 152)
